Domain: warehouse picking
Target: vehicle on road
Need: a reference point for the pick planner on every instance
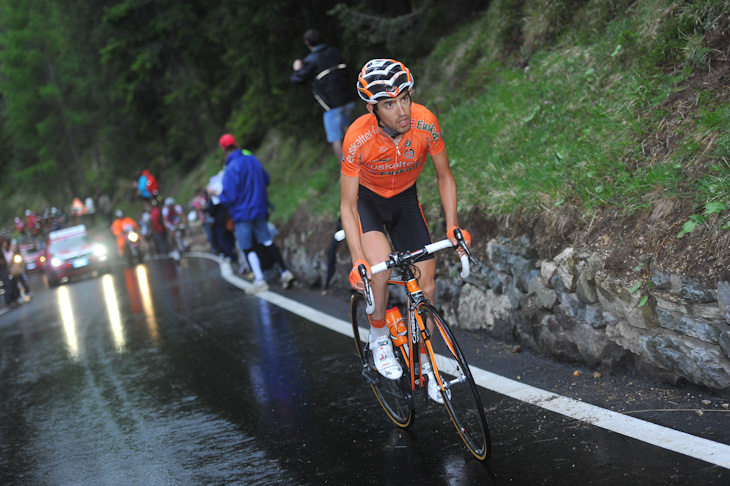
(73, 252)
(33, 257)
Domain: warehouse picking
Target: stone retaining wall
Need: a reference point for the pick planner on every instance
(566, 308)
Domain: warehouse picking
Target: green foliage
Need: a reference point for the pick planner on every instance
(542, 104)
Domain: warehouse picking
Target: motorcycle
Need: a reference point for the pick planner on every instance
(132, 247)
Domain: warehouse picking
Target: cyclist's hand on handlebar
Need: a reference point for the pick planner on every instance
(355, 277)
(464, 233)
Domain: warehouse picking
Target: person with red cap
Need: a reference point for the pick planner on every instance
(244, 195)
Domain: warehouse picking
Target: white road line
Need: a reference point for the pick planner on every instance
(656, 435)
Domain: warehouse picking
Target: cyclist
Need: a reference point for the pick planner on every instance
(173, 218)
(384, 152)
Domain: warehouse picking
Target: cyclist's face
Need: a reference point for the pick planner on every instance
(395, 113)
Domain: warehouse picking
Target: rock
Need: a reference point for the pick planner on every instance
(548, 269)
(694, 360)
(585, 290)
(687, 288)
(724, 342)
(480, 310)
(595, 348)
(723, 299)
(541, 296)
(616, 299)
(567, 269)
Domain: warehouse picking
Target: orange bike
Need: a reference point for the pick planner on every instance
(425, 327)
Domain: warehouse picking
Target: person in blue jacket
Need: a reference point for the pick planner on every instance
(244, 195)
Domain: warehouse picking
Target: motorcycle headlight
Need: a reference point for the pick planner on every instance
(18, 259)
(133, 237)
(56, 262)
(99, 250)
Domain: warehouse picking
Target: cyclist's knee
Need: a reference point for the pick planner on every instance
(428, 286)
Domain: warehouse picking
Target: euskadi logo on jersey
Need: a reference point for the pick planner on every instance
(392, 168)
(428, 127)
(356, 144)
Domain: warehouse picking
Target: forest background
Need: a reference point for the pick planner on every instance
(586, 121)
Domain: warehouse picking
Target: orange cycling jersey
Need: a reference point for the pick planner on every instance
(385, 168)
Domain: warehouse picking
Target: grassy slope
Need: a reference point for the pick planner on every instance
(588, 107)
(569, 126)
(591, 108)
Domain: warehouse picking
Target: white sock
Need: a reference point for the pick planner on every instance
(255, 264)
(378, 332)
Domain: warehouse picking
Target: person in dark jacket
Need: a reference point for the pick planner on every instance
(244, 195)
(325, 68)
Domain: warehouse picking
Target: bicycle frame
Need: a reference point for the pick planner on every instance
(418, 332)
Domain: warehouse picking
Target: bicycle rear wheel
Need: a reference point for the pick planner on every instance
(461, 396)
(394, 395)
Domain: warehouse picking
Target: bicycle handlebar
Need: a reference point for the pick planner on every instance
(398, 259)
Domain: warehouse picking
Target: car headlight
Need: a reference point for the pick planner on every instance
(56, 262)
(99, 250)
(42, 259)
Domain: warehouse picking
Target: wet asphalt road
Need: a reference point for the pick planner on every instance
(167, 375)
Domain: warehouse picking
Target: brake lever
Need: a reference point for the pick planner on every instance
(370, 307)
(462, 243)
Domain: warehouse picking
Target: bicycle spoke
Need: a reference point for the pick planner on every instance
(461, 396)
(393, 395)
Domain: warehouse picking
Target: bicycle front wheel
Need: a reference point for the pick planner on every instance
(459, 391)
(394, 395)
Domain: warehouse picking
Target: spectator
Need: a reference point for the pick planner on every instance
(104, 204)
(159, 233)
(147, 185)
(325, 68)
(17, 270)
(145, 228)
(34, 224)
(199, 204)
(244, 195)
(20, 227)
(12, 291)
(225, 241)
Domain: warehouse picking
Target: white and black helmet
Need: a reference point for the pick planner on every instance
(382, 79)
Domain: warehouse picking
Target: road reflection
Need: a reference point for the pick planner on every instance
(69, 323)
(112, 306)
(147, 304)
(272, 377)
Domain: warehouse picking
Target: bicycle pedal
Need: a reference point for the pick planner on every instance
(370, 377)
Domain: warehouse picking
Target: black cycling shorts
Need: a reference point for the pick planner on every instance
(401, 216)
